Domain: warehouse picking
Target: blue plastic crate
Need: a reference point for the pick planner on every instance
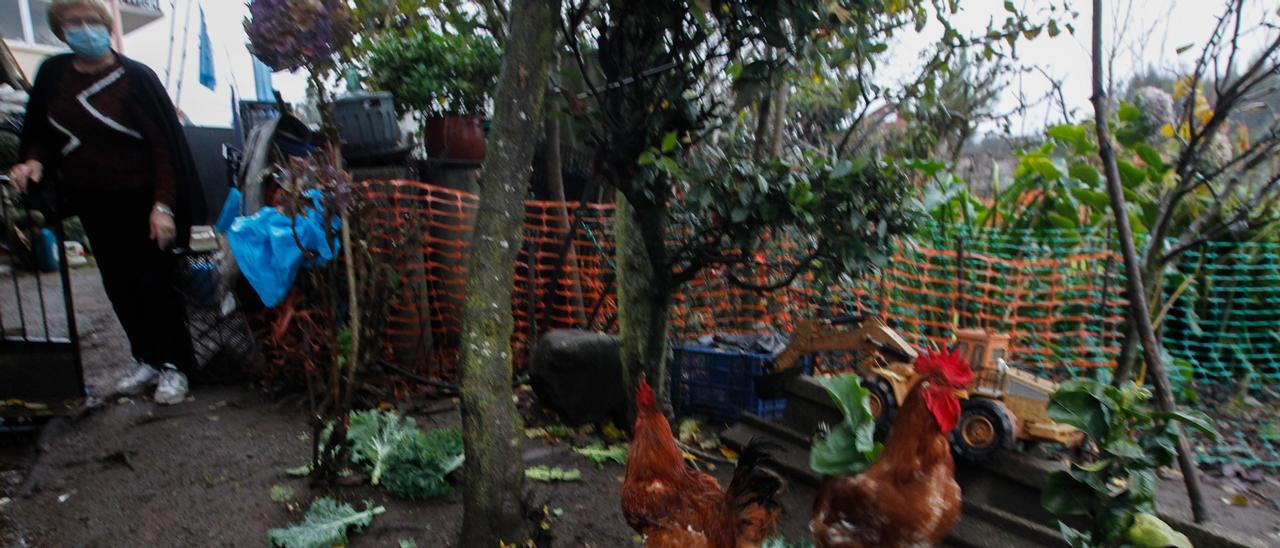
(721, 384)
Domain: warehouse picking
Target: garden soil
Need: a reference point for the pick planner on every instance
(201, 473)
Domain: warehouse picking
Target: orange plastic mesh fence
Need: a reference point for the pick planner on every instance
(1059, 299)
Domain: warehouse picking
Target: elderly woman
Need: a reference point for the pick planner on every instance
(105, 126)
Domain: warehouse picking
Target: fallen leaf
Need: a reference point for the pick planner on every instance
(612, 433)
(729, 453)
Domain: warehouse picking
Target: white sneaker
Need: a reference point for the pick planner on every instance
(172, 388)
(141, 380)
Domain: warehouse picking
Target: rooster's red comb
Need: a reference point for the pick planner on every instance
(948, 364)
(644, 394)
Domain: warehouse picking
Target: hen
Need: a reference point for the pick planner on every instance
(909, 496)
(672, 505)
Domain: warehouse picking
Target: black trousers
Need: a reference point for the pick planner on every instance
(139, 278)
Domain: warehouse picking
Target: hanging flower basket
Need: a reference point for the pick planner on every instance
(291, 34)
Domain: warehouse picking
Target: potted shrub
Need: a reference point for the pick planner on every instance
(443, 79)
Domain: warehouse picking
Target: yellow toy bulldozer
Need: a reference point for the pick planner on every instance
(1004, 404)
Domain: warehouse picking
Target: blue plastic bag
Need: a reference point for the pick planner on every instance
(230, 211)
(46, 245)
(268, 254)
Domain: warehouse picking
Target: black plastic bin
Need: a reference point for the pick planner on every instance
(369, 128)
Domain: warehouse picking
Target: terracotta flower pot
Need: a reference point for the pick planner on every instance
(456, 138)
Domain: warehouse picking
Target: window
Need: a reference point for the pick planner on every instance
(976, 361)
(40, 24)
(27, 21)
(11, 20)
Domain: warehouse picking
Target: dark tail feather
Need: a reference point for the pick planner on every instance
(755, 479)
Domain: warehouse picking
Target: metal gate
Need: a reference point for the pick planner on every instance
(40, 366)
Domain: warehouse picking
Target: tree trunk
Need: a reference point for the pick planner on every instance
(643, 298)
(763, 119)
(1139, 311)
(765, 116)
(1128, 355)
(778, 112)
(491, 424)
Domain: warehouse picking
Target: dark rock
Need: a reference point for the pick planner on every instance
(578, 374)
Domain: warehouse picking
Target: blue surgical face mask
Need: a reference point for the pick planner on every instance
(91, 41)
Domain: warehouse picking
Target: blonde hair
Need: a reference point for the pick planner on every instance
(57, 13)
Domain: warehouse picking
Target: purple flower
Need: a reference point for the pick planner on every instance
(290, 34)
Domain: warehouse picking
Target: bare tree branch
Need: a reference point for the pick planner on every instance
(1139, 311)
(795, 271)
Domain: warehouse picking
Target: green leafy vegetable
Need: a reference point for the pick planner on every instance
(558, 431)
(689, 430)
(374, 434)
(784, 542)
(850, 446)
(281, 493)
(325, 524)
(1116, 494)
(418, 468)
(1194, 419)
(408, 543)
(1078, 407)
(543, 473)
(598, 454)
(1149, 531)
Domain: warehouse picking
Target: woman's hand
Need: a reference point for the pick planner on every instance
(26, 173)
(162, 227)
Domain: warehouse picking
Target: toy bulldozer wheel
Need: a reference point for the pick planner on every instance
(884, 405)
(984, 429)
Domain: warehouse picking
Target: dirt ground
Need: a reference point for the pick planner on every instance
(201, 473)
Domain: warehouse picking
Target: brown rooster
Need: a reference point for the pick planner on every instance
(673, 505)
(909, 496)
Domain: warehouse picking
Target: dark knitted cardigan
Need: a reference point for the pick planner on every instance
(189, 206)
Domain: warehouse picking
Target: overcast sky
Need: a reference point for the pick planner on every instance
(231, 59)
(1154, 30)
(1151, 31)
